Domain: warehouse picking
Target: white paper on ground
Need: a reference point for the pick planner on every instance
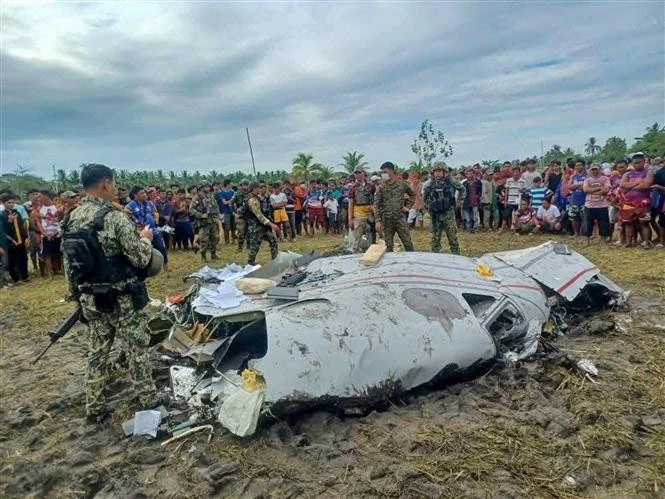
(146, 423)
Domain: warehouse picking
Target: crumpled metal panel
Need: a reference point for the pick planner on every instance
(347, 344)
(565, 274)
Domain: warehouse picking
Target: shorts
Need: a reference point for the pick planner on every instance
(629, 213)
(313, 213)
(50, 247)
(280, 216)
(549, 227)
(525, 227)
(575, 211)
(508, 211)
(600, 215)
(228, 221)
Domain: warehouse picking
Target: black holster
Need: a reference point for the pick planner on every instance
(139, 294)
(105, 298)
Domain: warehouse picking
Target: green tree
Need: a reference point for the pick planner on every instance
(353, 160)
(489, 164)
(652, 143)
(416, 166)
(304, 166)
(614, 148)
(591, 148)
(430, 145)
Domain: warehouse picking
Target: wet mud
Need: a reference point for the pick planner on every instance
(537, 429)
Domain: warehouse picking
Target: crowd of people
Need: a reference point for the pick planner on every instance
(624, 200)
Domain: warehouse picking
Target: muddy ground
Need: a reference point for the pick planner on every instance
(535, 430)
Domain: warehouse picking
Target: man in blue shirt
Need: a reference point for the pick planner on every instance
(223, 197)
(575, 210)
(143, 212)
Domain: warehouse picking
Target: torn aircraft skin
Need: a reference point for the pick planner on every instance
(349, 333)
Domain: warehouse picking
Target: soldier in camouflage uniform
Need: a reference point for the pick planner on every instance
(238, 202)
(439, 196)
(258, 226)
(112, 293)
(205, 209)
(392, 200)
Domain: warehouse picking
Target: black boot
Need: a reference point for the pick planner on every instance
(203, 256)
(213, 255)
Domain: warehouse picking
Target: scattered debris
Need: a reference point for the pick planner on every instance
(244, 351)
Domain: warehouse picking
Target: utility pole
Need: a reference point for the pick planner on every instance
(542, 155)
(251, 152)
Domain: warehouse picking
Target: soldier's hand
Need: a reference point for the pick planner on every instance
(147, 233)
(274, 228)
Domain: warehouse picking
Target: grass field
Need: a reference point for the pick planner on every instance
(533, 431)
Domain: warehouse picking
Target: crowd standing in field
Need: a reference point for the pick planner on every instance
(623, 201)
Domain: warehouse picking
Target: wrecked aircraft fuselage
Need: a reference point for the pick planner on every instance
(353, 333)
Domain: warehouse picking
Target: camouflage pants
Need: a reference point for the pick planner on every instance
(257, 233)
(241, 229)
(398, 225)
(444, 222)
(360, 227)
(129, 327)
(209, 236)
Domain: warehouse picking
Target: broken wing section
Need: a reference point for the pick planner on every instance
(558, 269)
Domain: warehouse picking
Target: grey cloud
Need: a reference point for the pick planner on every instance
(179, 85)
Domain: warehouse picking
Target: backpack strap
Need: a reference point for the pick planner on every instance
(98, 221)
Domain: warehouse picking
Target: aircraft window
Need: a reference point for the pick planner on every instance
(479, 303)
(509, 326)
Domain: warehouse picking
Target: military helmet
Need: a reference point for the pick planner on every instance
(244, 181)
(156, 263)
(253, 185)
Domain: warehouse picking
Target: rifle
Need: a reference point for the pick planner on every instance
(62, 330)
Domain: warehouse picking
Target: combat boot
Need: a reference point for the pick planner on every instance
(213, 255)
(203, 256)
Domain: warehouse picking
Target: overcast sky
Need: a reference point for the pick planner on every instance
(173, 85)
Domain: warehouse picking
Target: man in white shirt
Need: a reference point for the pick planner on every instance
(514, 187)
(278, 200)
(549, 217)
(530, 174)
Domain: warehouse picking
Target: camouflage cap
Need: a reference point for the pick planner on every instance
(68, 194)
(253, 185)
(244, 182)
(439, 165)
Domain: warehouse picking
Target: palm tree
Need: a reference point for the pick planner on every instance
(213, 176)
(325, 172)
(304, 166)
(353, 160)
(591, 147)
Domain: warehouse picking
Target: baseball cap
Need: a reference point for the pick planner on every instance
(637, 155)
(375, 178)
(68, 194)
(594, 166)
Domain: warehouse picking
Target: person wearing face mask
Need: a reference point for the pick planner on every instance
(393, 198)
(106, 262)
